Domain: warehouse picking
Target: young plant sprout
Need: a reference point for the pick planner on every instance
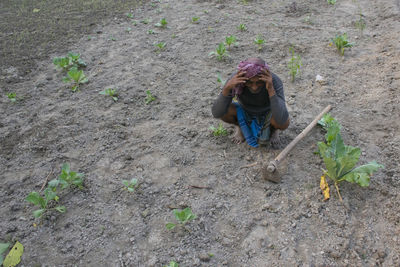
(162, 24)
(230, 40)
(43, 202)
(341, 43)
(110, 92)
(242, 27)
(220, 52)
(160, 46)
(129, 15)
(149, 97)
(182, 217)
(259, 41)
(128, 30)
(219, 131)
(67, 178)
(150, 32)
(195, 19)
(72, 60)
(12, 97)
(172, 264)
(331, 2)
(76, 77)
(294, 64)
(130, 185)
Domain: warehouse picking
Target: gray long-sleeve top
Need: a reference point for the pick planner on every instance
(256, 104)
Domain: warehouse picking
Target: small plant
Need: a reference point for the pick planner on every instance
(150, 32)
(129, 15)
(43, 202)
(360, 23)
(77, 77)
(259, 41)
(112, 38)
(149, 97)
(242, 27)
(220, 52)
(110, 92)
(162, 24)
(67, 178)
(230, 40)
(72, 60)
(12, 97)
(195, 19)
(294, 64)
(172, 264)
(341, 43)
(182, 216)
(331, 2)
(220, 80)
(130, 185)
(160, 46)
(128, 30)
(219, 131)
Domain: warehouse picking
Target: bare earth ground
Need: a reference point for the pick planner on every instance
(242, 219)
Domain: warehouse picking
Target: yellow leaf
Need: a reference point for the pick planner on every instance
(34, 225)
(35, 10)
(324, 187)
(14, 256)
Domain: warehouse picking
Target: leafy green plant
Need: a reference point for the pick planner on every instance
(160, 46)
(219, 131)
(67, 178)
(242, 27)
(182, 216)
(130, 185)
(149, 97)
(3, 248)
(259, 41)
(129, 15)
(331, 2)
(230, 40)
(43, 202)
(220, 52)
(77, 77)
(340, 41)
(294, 64)
(195, 19)
(162, 24)
(12, 97)
(340, 160)
(172, 264)
(72, 60)
(110, 92)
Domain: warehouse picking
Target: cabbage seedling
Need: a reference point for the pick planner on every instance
(12, 97)
(76, 77)
(129, 15)
(150, 32)
(160, 46)
(67, 178)
(172, 264)
(230, 40)
(110, 92)
(259, 41)
(130, 185)
(341, 43)
(219, 131)
(294, 64)
(43, 202)
(242, 27)
(331, 2)
(220, 52)
(182, 216)
(162, 24)
(220, 80)
(149, 97)
(72, 60)
(195, 19)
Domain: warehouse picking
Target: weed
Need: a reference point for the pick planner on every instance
(220, 131)
(130, 185)
(72, 60)
(43, 202)
(3, 248)
(162, 24)
(149, 97)
(129, 15)
(172, 264)
(294, 64)
(220, 52)
(331, 2)
(259, 41)
(230, 40)
(220, 80)
(195, 19)
(160, 46)
(182, 216)
(12, 97)
(77, 77)
(242, 27)
(110, 92)
(341, 43)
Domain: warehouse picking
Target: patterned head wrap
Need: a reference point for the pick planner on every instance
(252, 67)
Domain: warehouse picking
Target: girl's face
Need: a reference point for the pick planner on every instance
(255, 85)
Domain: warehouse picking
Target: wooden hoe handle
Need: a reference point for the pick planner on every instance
(274, 163)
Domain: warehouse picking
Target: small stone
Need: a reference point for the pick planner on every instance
(204, 257)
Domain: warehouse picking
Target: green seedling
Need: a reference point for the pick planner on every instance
(77, 77)
(259, 41)
(220, 80)
(67, 178)
(195, 19)
(220, 53)
(43, 202)
(172, 264)
(150, 32)
(182, 217)
(294, 64)
(331, 126)
(112, 38)
(230, 40)
(3, 248)
(341, 43)
(72, 60)
(242, 27)
(340, 160)
(128, 30)
(129, 15)
(331, 2)
(130, 185)
(219, 131)
(162, 24)
(134, 22)
(160, 46)
(145, 21)
(110, 92)
(149, 97)
(360, 23)
(12, 97)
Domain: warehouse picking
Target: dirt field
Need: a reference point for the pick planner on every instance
(242, 220)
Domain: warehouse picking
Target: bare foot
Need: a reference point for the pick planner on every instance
(275, 139)
(237, 137)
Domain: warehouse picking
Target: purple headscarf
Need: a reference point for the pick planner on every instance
(252, 66)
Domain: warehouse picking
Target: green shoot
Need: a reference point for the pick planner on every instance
(219, 131)
(134, 22)
(76, 77)
(220, 52)
(341, 43)
(43, 202)
(130, 185)
(172, 264)
(4, 247)
(195, 19)
(294, 64)
(112, 38)
(129, 15)
(160, 46)
(67, 178)
(331, 2)
(72, 60)
(220, 80)
(360, 23)
(259, 41)
(110, 92)
(150, 32)
(149, 98)
(242, 27)
(230, 40)
(182, 216)
(162, 24)
(12, 97)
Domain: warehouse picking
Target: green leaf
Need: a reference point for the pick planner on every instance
(49, 195)
(61, 209)
(348, 161)
(54, 183)
(170, 226)
(361, 175)
(34, 198)
(131, 189)
(125, 182)
(38, 213)
(330, 163)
